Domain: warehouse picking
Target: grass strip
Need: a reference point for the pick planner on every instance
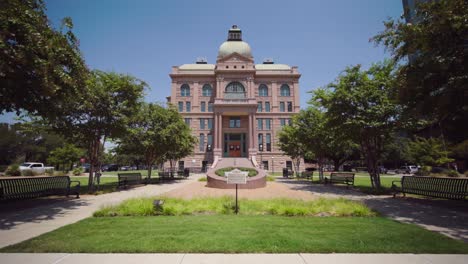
(240, 234)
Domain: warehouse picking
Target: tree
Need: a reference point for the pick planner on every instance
(310, 129)
(361, 105)
(159, 134)
(429, 151)
(108, 101)
(291, 144)
(64, 157)
(38, 64)
(433, 53)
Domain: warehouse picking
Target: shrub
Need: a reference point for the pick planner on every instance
(252, 172)
(27, 173)
(270, 178)
(202, 179)
(453, 173)
(13, 170)
(77, 171)
(49, 172)
(3, 168)
(226, 205)
(424, 171)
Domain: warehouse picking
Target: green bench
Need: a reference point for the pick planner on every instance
(34, 187)
(130, 178)
(306, 175)
(341, 177)
(438, 187)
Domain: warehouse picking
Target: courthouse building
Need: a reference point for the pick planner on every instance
(235, 107)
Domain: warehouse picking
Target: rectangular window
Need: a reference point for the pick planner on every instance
(265, 165)
(202, 142)
(234, 122)
(260, 142)
(210, 107)
(188, 121)
(203, 107)
(268, 123)
(181, 106)
(268, 142)
(289, 121)
(267, 106)
(210, 142)
(188, 106)
(282, 121)
(259, 123)
(289, 106)
(202, 123)
(259, 107)
(281, 106)
(210, 123)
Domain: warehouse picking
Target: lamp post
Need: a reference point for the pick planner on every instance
(260, 148)
(272, 166)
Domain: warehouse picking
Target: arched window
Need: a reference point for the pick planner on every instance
(234, 90)
(185, 90)
(284, 90)
(262, 90)
(207, 90)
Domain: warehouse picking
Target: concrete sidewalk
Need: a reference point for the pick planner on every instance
(63, 258)
(24, 224)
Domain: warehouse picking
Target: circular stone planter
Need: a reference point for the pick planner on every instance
(215, 181)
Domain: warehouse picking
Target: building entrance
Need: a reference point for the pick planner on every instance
(234, 149)
(234, 145)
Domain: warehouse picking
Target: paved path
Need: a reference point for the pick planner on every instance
(444, 216)
(62, 258)
(23, 224)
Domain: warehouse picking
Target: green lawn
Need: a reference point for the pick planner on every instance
(240, 234)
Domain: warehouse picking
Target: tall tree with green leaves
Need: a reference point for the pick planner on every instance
(41, 68)
(159, 134)
(362, 106)
(428, 152)
(64, 157)
(292, 144)
(108, 101)
(433, 53)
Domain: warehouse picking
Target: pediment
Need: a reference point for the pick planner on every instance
(235, 57)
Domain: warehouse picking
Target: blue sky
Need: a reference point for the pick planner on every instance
(145, 38)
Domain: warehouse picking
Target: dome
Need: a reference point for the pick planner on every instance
(229, 47)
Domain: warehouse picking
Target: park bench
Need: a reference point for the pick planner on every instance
(34, 187)
(130, 178)
(172, 174)
(305, 175)
(439, 187)
(341, 177)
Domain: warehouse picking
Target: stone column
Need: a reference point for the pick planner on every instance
(274, 97)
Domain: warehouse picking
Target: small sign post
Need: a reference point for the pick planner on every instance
(236, 177)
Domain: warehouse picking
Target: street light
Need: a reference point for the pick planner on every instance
(272, 166)
(260, 148)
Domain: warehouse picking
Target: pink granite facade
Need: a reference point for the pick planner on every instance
(236, 107)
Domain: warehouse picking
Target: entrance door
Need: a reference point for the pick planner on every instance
(234, 149)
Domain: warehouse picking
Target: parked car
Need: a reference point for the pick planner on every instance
(382, 170)
(125, 168)
(85, 167)
(35, 167)
(411, 169)
(110, 167)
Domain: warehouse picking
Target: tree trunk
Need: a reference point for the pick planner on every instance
(320, 164)
(336, 164)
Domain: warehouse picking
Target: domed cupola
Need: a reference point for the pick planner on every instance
(234, 44)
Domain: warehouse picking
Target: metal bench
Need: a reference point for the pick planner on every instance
(307, 175)
(439, 187)
(173, 174)
(34, 187)
(341, 177)
(131, 178)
